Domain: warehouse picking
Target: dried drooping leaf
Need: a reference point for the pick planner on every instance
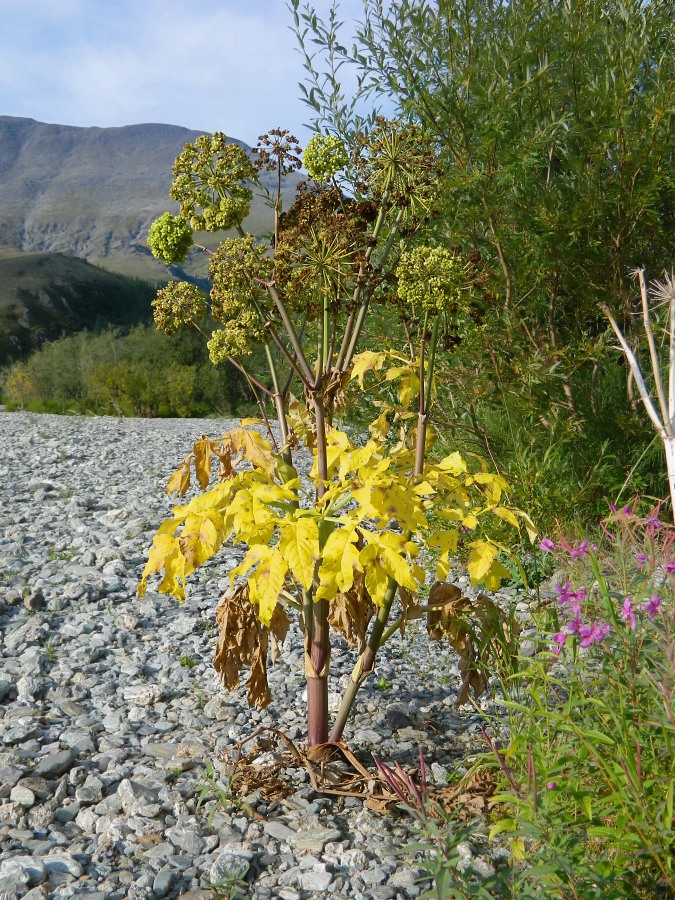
(223, 451)
(243, 641)
(203, 451)
(351, 612)
(477, 629)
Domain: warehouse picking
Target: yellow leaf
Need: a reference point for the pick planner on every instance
(180, 480)
(530, 527)
(470, 521)
(254, 555)
(481, 557)
(203, 453)
(377, 581)
(408, 388)
(368, 361)
(299, 545)
(379, 429)
(496, 574)
(339, 558)
(506, 515)
(201, 538)
(445, 541)
(245, 422)
(452, 464)
(266, 584)
(254, 448)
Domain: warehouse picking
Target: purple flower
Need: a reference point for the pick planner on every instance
(670, 567)
(626, 510)
(641, 560)
(628, 613)
(575, 624)
(653, 606)
(567, 595)
(581, 550)
(654, 521)
(547, 545)
(593, 634)
(559, 642)
(551, 785)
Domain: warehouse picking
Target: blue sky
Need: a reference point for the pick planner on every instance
(227, 65)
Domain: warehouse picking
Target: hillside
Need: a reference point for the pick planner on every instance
(93, 192)
(45, 295)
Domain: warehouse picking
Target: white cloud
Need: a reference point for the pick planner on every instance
(228, 64)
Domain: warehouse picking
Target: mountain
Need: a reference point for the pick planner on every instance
(93, 192)
(46, 295)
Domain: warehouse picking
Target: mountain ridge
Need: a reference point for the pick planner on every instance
(92, 192)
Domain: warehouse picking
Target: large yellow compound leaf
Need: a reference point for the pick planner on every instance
(395, 501)
(253, 447)
(339, 559)
(368, 361)
(337, 444)
(266, 584)
(179, 482)
(481, 557)
(299, 546)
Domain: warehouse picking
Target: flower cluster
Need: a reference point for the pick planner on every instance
(631, 563)
(433, 278)
(210, 183)
(324, 156)
(170, 238)
(178, 304)
(231, 341)
(278, 151)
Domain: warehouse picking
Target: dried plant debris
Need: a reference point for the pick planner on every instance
(477, 629)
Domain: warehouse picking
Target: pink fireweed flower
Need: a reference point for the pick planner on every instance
(593, 634)
(567, 595)
(551, 785)
(670, 567)
(574, 625)
(641, 560)
(581, 550)
(653, 606)
(559, 642)
(547, 545)
(628, 614)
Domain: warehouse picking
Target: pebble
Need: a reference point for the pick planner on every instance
(111, 708)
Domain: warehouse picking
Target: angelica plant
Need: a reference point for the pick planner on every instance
(358, 236)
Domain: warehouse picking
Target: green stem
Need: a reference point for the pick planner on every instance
(279, 407)
(432, 361)
(365, 663)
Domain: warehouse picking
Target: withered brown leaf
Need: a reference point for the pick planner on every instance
(243, 641)
(350, 612)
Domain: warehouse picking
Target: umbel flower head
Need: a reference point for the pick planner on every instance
(210, 183)
(233, 340)
(433, 278)
(178, 304)
(236, 270)
(324, 156)
(170, 238)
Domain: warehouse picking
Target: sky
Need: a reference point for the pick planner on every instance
(218, 65)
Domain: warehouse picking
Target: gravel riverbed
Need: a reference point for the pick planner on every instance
(110, 709)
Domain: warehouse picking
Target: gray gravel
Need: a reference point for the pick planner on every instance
(110, 709)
